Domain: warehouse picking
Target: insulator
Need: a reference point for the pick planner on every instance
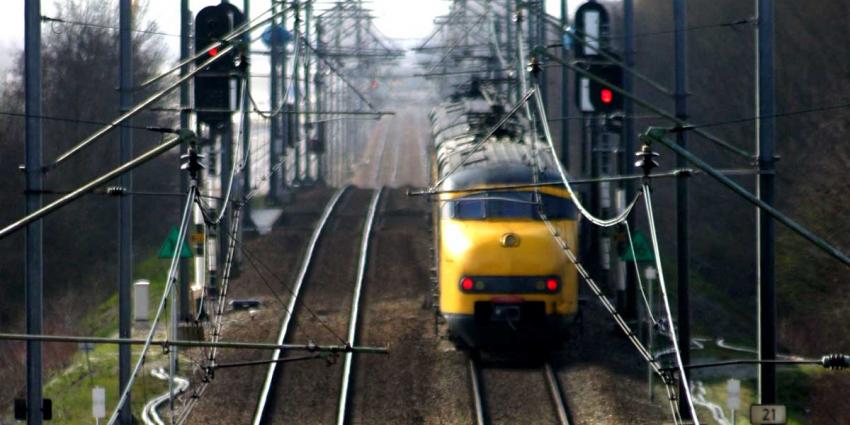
(646, 160)
(835, 361)
(116, 190)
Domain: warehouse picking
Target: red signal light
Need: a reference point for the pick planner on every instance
(466, 283)
(213, 52)
(607, 96)
(552, 285)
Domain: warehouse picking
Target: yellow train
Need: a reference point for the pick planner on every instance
(502, 277)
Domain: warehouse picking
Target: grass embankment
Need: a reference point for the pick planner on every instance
(70, 388)
(793, 392)
(737, 327)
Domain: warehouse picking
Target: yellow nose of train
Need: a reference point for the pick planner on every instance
(499, 278)
(502, 249)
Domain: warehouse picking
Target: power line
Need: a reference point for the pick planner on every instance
(833, 107)
(103, 27)
(730, 24)
(70, 120)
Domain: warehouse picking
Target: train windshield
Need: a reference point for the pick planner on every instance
(509, 205)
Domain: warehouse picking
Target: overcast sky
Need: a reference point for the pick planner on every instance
(394, 18)
(400, 19)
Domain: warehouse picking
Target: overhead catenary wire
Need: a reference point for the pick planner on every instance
(644, 104)
(256, 22)
(479, 144)
(573, 196)
(648, 356)
(225, 49)
(235, 169)
(169, 282)
(93, 184)
(650, 217)
(53, 20)
(646, 301)
(609, 57)
(657, 135)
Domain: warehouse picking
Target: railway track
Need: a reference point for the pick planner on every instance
(515, 393)
(325, 302)
(396, 142)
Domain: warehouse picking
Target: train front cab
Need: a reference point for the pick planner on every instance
(504, 280)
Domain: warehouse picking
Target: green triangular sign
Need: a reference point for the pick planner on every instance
(167, 250)
(643, 251)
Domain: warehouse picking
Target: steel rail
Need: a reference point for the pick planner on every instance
(397, 146)
(342, 410)
(150, 416)
(379, 169)
(556, 394)
(477, 393)
(552, 384)
(296, 291)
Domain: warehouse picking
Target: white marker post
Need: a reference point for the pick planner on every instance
(733, 396)
(98, 403)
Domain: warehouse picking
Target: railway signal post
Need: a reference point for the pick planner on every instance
(765, 125)
(34, 269)
(682, 243)
(125, 208)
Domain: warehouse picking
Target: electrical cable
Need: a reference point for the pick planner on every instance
(823, 108)
(646, 302)
(644, 104)
(573, 197)
(477, 146)
(52, 20)
(70, 120)
(683, 377)
(171, 278)
(609, 57)
(289, 288)
(642, 350)
(273, 113)
(730, 24)
(233, 170)
(248, 26)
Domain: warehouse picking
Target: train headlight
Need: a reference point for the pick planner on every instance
(510, 240)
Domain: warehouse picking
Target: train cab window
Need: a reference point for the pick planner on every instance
(468, 209)
(558, 208)
(508, 205)
(511, 205)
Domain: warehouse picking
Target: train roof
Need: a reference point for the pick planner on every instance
(498, 162)
(508, 157)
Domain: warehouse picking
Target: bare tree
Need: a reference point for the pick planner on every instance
(80, 62)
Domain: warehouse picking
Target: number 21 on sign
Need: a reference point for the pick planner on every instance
(767, 414)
